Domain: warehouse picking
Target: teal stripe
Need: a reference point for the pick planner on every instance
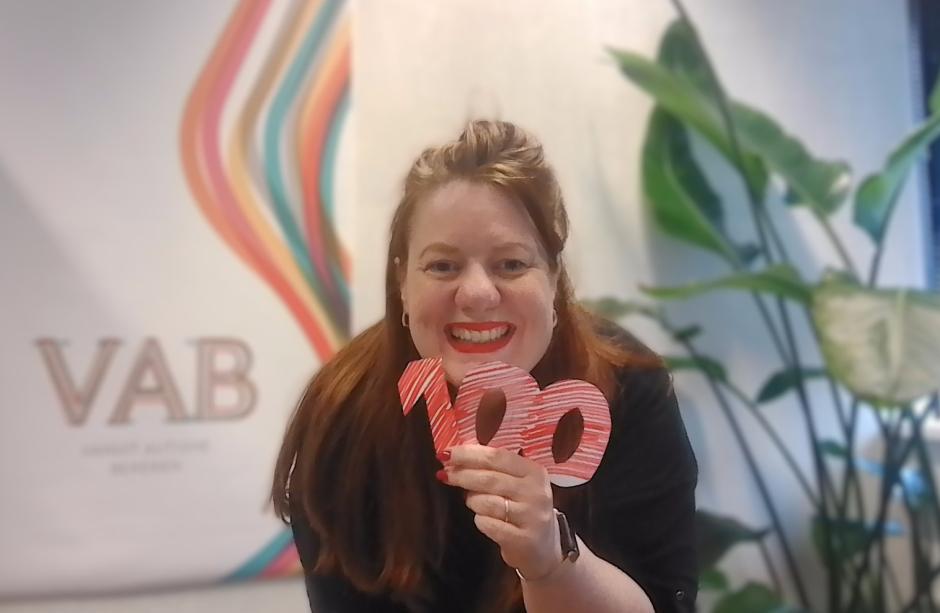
(328, 186)
(274, 128)
(327, 176)
(261, 560)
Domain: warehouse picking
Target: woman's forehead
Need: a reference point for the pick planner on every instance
(462, 213)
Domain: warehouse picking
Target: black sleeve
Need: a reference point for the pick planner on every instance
(645, 493)
(326, 593)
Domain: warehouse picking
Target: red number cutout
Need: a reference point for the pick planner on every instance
(530, 420)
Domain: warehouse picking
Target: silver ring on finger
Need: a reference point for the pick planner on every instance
(506, 517)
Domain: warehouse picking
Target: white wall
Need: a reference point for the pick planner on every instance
(836, 73)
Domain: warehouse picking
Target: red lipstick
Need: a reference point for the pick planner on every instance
(471, 347)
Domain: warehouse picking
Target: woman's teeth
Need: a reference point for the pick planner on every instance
(473, 336)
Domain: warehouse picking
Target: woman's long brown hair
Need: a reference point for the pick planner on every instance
(348, 445)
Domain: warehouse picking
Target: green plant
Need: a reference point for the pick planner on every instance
(881, 346)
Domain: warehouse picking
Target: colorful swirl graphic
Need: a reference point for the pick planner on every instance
(261, 167)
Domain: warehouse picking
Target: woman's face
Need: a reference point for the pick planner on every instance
(477, 286)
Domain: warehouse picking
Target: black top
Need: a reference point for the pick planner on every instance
(641, 518)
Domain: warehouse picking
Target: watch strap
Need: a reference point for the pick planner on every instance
(569, 546)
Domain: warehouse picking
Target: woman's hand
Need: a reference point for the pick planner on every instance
(498, 480)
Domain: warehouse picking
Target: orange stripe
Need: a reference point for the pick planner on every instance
(189, 132)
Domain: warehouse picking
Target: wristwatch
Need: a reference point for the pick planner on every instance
(569, 545)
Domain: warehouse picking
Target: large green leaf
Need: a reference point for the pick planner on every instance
(848, 536)
(613, 308)
(709, 366)
(833, 448)
(883, 345)
(879, 192)
(752, 598)
(781, 382)
(712, 579)
(686, 102)
(781, 280)
(820, 184)
(716, 534)
(678, 196)
(687, 333)
(934, 105)
(682, 52)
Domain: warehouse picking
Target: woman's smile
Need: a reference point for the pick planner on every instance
(479, 337)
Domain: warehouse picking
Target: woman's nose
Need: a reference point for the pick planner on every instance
(476, 292)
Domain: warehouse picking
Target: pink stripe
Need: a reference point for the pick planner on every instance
(211, 142)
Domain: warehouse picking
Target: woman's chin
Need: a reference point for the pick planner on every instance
(455, 372)
(457, 367)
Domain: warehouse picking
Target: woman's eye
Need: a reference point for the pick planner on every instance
(440, 267)
(513, 266)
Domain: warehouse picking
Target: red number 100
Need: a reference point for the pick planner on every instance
(530, 420)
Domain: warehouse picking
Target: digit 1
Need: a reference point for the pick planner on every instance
(426, 378)
(520, 390)
(555, 401)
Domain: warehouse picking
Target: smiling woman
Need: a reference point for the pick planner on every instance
(474, 274)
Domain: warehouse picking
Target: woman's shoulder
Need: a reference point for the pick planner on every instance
(646, 371)
(643, 398)
(621, 337)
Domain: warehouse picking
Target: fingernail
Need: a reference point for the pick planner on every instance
(441, 475)
(443, 456)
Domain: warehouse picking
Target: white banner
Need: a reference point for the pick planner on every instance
(171, 279)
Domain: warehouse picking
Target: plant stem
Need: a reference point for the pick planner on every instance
(762, 488)
(934, 573)
(851, 481)
(772, 230)
(893, 582)
(775, 438)
(755, 206)
(891, 472)
(771, 570)
(880, 242)
(826, 490)
(918, 557)
(926, 468)
(834, 239)
(790, 356)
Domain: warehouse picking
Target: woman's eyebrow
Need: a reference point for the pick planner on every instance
(513, 245)
(508, 246)
(442, 247)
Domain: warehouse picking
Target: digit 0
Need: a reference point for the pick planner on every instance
(555, 402)
(521, 392)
